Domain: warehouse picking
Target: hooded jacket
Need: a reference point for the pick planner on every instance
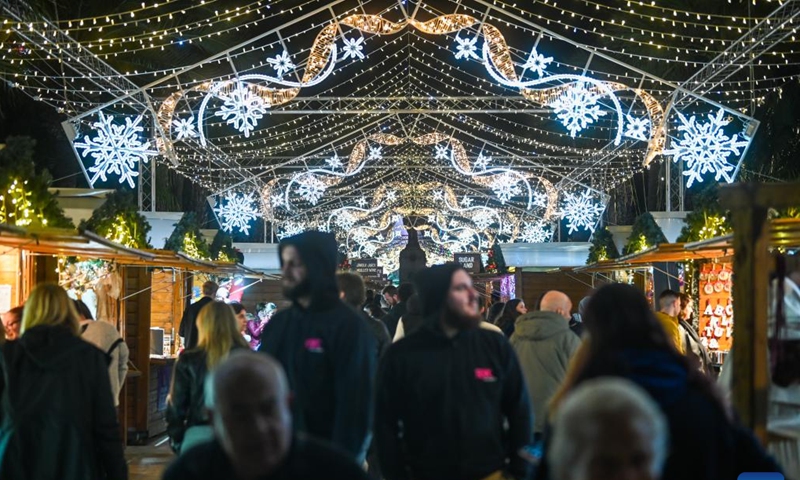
(57, 413)
(450, 408)
(544, 344)
(327, 351)
(104, 336)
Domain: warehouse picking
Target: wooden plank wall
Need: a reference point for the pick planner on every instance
(10, 275)
(166, 306)
(531, 286)
(136, 312)
(263, 291)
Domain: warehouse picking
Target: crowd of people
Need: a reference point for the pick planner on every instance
(438, 387)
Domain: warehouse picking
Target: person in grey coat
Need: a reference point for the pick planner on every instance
(544, 344)
(105, 336)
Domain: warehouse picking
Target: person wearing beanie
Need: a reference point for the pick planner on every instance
(327, 350)
(451, 398)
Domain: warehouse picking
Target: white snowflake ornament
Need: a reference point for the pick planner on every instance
(276, 200)
(636, 128)
(310, 188)
(705, 148)
(442, 152)
(482, 162)
(184, 128)
(577, 108)
(116, 149)
(536, 232)
(281, 63)
(353, 48)
(236, 211)
(467, 48)
(334, 162)
(346, 219)
(375, 153)
(438, 195)
(505, 186)
(291, 229)
(540, 199)
(242, 109)
(483, 219)
(360, 236)
(537, 62)
(466, 202)
(391, 196)
(580, 211)
(362, 202)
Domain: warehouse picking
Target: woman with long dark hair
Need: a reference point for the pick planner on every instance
(218, 334)
(626, 340)
(513, 309)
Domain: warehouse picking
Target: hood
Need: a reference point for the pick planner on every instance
(658, 372)
(319, 252)
(432, 286)
(540, 325)
(48, 347)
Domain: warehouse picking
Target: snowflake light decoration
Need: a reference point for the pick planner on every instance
(636, 128)
(705, 148)
(438, 195)
(466, 202)
(372, 222)
(482, 161)
(184, 128)
(276, 200)
(353, 48)
(362, 202)
(577, 108)
(375, 153)
(370, 249)
(346, 219)
(281, 63)
(334, 162)
(580, 211)
(391, 196)
(291, 228)
(360, 236)
(442, 152)
(536, 232)
(236, 211)
(310, 188)
(537, 62)
(116, 149)
(540, 199)
(467, 48)
(505, 186)
(242, 109)
(482, 219)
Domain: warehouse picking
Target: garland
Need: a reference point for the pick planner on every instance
(119, 220)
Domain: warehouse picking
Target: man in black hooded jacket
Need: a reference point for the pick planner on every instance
(326, 349)
(451, 401)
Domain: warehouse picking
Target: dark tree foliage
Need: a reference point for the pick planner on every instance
(645, 231)
(603, 247)
(118, 219)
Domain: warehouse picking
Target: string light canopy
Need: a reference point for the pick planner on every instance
(323, 105)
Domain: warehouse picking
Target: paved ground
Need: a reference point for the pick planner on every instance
(148, 462)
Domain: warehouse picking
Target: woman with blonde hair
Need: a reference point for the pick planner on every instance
(58, 416)
(187, 420)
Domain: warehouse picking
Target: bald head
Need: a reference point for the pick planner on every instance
(248, 398)
(558, 302)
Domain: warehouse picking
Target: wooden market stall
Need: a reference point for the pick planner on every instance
(151, 288)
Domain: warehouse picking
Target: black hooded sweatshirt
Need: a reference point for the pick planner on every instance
(442, 403)
(328, 353)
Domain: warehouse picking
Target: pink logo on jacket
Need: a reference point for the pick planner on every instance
(485, 375)
(314, 345)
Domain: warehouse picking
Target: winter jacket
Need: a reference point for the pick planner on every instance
(188, 327)
(453, 397)
(104, 336)
(392, 318)
(308, 459)
(328, 353)
(544, 344)
(671, 326)
(691, 344)
(379, 332)
(186, 403)
(704, 443)
(57, 411)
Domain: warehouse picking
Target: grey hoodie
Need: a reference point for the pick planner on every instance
(544, 344)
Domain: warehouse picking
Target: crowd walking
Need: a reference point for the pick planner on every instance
(439, 388)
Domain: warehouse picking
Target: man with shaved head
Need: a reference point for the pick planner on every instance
(544, 345)
(248, 398)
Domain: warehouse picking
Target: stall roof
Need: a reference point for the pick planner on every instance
(53, 241)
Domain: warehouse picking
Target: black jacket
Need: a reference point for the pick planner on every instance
(308, 459)
(186, 405)
(379, 331)
(58, 409)
(188, 328)
(392, 318)
(451, 397)
(328, 353)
